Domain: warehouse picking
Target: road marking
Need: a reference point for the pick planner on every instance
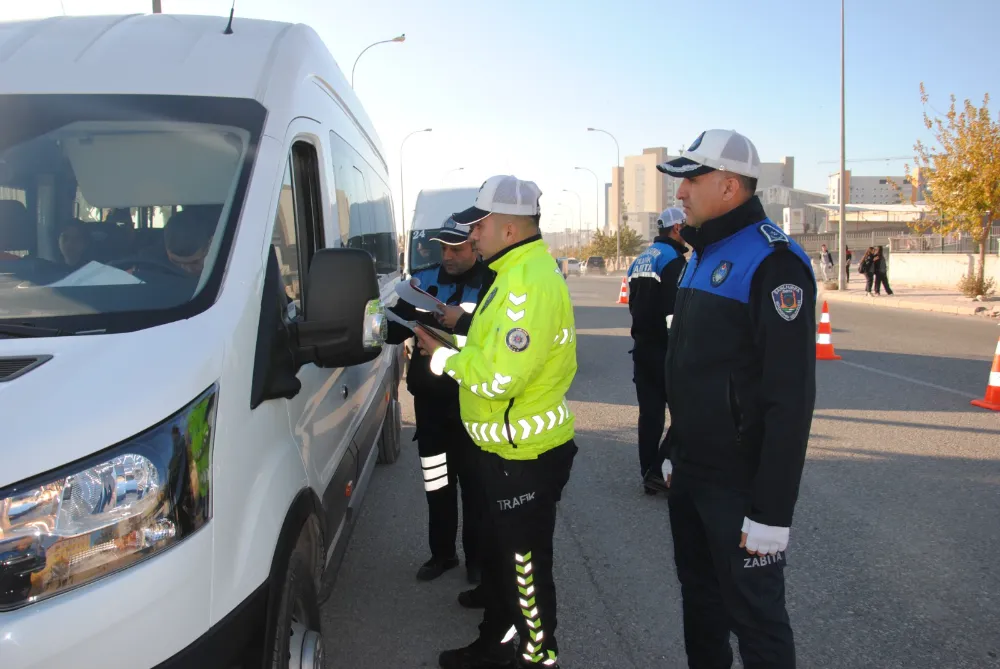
(911, 380)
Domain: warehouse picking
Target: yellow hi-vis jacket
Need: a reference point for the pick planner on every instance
(519, 358)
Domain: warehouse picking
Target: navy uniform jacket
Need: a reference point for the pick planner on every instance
(741, 366)
(462, 289)
(652, 288)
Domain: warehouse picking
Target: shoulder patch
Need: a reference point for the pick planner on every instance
(489, 298)
(772, 234)
(721, 273)
(787, 300)
(517, 339)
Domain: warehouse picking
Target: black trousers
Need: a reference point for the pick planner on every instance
(723, 588)
(882, 279)
(520, 521)
(446, 453)
(649, 376)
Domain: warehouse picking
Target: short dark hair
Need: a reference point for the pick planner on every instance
(188, 231)
(748, 183)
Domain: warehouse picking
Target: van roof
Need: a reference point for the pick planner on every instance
(169, 54)
(435, 205)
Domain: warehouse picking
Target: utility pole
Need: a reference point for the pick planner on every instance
(157, 7)
(841, 253)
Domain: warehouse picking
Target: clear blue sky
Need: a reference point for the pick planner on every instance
(510, 87)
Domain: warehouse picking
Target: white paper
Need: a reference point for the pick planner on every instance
(419, 299)
(96, 274)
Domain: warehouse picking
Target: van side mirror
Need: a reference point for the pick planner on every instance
(345, 322)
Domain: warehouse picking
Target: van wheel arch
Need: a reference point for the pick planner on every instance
(303, 521)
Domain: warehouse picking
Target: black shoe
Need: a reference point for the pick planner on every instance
(654, 483)
(434, 567)
(479, 655)
(473, 574)
(472, 599)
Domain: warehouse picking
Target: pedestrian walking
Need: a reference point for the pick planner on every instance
(880, 267)
(513, 372)
(652, 287)
(443, 444)
(847, 268)
(867, 268)
(741, 388)
(826, 262)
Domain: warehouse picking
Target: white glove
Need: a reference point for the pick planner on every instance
(764, 539)
(667, 469)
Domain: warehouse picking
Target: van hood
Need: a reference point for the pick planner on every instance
(98, 390)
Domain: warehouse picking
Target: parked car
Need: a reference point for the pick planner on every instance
(595, 265)
(192, 413)
(568, 266)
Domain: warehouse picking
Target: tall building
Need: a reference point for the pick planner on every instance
(647, 191)
(802, 218)
(875, 190)
(607, 207)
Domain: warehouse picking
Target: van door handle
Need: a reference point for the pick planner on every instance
(344, 392)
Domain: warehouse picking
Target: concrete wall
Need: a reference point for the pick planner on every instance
(935, 270)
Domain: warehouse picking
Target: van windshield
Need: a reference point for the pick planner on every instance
(117, 205)
(423, 252)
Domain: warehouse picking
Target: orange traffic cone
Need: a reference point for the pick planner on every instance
(992, 398)
(824, 339)
(623, 295)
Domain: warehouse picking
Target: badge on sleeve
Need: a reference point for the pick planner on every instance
(787, 300)
(721, 273)
(517, 340)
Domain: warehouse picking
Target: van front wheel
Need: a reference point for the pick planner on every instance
(389, 440)
(298, 643)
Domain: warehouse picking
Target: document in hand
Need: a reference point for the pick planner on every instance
(439, 335)
(409, 291)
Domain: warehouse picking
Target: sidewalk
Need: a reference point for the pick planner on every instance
(917, 299)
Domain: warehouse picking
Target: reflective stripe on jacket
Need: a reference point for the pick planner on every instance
(519, 358)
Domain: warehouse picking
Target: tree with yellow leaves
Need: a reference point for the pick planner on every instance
(963, 175)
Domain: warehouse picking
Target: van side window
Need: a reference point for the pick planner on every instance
(298, 225)
(364, 206)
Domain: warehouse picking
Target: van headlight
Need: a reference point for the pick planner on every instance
(108, 511)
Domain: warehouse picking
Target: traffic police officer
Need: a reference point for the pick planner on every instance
(442, 442)
(741, 386)
(652, 287)
(513, 372)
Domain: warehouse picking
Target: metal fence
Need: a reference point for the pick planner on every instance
(811, 243)
(935, 243)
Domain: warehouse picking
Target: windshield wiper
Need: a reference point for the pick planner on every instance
(29, 330)
(16, 330)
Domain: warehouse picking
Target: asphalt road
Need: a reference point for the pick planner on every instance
(893, 560)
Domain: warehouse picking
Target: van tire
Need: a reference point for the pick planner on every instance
(298, 608)
(389, 441)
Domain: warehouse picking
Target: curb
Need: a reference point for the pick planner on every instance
(912, 305)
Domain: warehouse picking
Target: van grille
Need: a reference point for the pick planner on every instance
(11, 368)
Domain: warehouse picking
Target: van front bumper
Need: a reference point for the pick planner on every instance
(152, 614)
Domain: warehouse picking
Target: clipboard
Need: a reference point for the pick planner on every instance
(439, 336)
(412, 326)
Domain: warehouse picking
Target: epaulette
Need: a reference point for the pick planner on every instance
(772, 234)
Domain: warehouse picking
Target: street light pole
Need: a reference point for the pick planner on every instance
(621, 188)
(401, 38)
(841, 253)
(597, 195)
(402, 190)
(454, 169)
(579, 214)
(157, 8)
